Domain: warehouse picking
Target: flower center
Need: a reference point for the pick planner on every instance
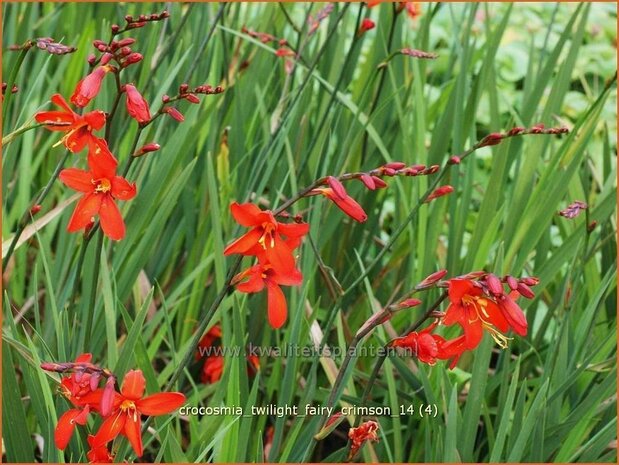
(128, 406)
(477, 306)
(102, 185)
(268, 229)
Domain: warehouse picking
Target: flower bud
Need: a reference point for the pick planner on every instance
(174, 113)
(366, 25)
(126, 42)
(192, 98)
(491, 139)
(512, 282)
(107, 399)
(395, 165)
(35, 209)
(432, 279)
(379, 183)
(368, 181)
(133, 58)
(409, 303)
(530, 281)
(183, 88)
(152, 147)
(455, 160)
(337, 186)
(494, 285)
(105, 58)
(515, 131)
(115, 28)
(439, 192)
(525, 291)
(389, 171)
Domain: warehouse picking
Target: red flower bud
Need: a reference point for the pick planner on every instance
(152, 147)
(35, 209)
(126, 42)
(530, 281)
(137, 106)
(183, 88)
(366, 25)
(91, 59)
(378, 182)
(89, 87)
(368, 181)
(431, 279)
(107, 399)
(525, 291)
(395, 165)
(105, 58)
(494, 285)
(389, 171)
(455, 160)
(174, 113)
(512, 283)
(439, 192)
(491, 139)
(192, 98)
(115, 28)
(133, 58)
(409, 303)
(337, 186)
(515, 131)
(284, 52)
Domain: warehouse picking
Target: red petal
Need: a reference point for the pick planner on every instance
(292, 278)
(293, 229)
(255, 283)
(133, 385)
(458, 288)
(496, 317)
(514, 315)
(160, 404)
(64, 428)
(245, 214)
(133, 434)
(101, 161)
(244, 243)
(123, 189)
(78, 139)
(76, 179)
(473, 332)
(110, 428)
(278, 309)
(95, 119)
(111, 220)
(85, 210)
(349, 206)
(55, 117)
(453, 314)
(59, 100)
(280, 256)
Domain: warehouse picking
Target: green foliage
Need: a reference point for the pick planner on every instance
(548, 397)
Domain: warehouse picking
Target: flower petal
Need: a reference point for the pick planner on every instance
(255, 283)
(133, 385)
(161, 403)
(245, 214)
(110, 428)
(122, 189)
(244, 243)
(87, 207)
(76, 179)
(55, 117)
(277, 308)
(111, 220)
(280, 256)
(291, 278)
(65, 427)
(514, 315)
(133, 434)
(458, 288)
(293, 229)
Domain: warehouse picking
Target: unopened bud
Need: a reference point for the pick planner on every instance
(455, 160)
(494, 285)
(515, 131)
(105, 58)
(133, 58)
(107, 399)
(409, 303)
(115, 28)
(337, 186)
(439, 192)
(512, 282)
(152, 147)
(491, 139)
(35, 209)
(174, 113)
(379, 183)
(395, 165)
(192, 98)
(183, 88)
(432, 279)
(525, 291)
(530, 281)
(366, 25)
(368, 181)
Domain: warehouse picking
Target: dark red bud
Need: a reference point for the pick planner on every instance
(494, 285)
(165, 98)
(35, 209)
(107, 399)
(368, 181)
(133, 58)
(491, 139)
(183, 88)
(439, 192)
(395, 165)
(126, 42)
(106, 58)
(379, 183)
(94, 380)
(152, 147)
(525, 291)
(174, 113)
(515, 131)
(192, 98)
(530, 281)
(512, 283)
(455, 160)
(129, 18)
(337, 186)
(389, 171)
(409, 303)
(115, 28)
(431, 279)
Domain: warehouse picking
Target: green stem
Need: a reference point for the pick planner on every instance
(26, 216)
(93, 290)
(11, 81)
(9, 137)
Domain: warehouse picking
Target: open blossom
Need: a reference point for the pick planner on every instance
(129, 406)
(89, 87)
(476, 311)
(78, 128)
(137, 106)
(101, 187)
(261, 276)
(367, 431)
(266, 238)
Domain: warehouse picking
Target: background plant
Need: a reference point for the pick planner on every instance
(548, 397)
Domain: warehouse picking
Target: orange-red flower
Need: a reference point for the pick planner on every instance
(101, 187)
(265, 239)
(261, 276)
(78, 128)
(338, 195)
(89, 87)
(129, 406)
(367, 431)
(475, 311)
(137, 106)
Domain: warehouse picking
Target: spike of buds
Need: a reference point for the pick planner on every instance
(439, 192)
(411, 52)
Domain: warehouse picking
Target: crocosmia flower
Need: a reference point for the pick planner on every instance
(129, 406)
(367, 431)
(476, 311)
(101, 188)
(338, 195)
(89, 87)
(268, 239)
(78, 128)
(137, 106)
(261, 276)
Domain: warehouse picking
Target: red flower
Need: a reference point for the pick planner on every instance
(78, 128)
(366, 25)
(98, 454)
(129, 406)
(261, 276)
(101, 187)
(358, 436)
(475, 311)
(137, 106)
(265, 240)
(89, 87)
(66, 425)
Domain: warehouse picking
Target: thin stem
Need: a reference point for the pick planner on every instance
(9, 137)
(381, 82)
(26, 216)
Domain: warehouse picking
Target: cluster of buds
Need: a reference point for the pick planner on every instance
(14, 89)
(573, 209)
(45, 43)
(314, 22)
(496, 138)
(188, 94)
(118, 50)
(140, 21)
(264, 37)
